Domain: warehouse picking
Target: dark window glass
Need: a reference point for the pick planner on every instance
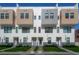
(39, 29)
(48, 30)
(51, 15)
(71, 15)
(25, 30)
(16, 29)
(34, 29)
(22, 15)
(27, 15)
(67, 15)
(6, 40)
(49, 40)
(46, 15)
(67, 29)
(2, 16)
(57, 29)
(39, 17)
(34, 17)
(6, 15)
(7, 29)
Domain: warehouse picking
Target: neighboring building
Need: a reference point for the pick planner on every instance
(77, 37)
(38, 24)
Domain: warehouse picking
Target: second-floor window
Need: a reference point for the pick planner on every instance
(25, 30)
(51, 15)
(34, 29)
(39, 17)
(67, 30)
(4, 15)
(24, 15)
(7, 29)
(46, 16)
(69, 15)
(48, 30)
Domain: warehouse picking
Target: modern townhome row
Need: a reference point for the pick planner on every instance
(38, 25)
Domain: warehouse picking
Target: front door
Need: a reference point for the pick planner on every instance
(58, 39)
(40, 39)
(16, 41)
(34, 41)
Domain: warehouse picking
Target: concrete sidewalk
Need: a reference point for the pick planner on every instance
(69, 51)
(35, 53)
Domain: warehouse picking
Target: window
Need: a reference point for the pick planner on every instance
(34, 29)
(49, 40)
(25, 30)
(46, 15)
(48, 30)
(6, 15)
(27, 15)
(67, 15)
(71, 15)
(16, 29)
(68, 40)
(24, 15)
(51, 15)
(57, 29)
(39, 29)
(2, 16)
(6, 40)
(39, 17)
(35, 17)
(67, 30)
(7, 29)
(25, 40)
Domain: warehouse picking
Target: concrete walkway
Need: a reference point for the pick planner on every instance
(69, 51)
(31, 50)
(40, 49)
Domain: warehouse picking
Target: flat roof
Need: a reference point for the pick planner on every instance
(37, 4)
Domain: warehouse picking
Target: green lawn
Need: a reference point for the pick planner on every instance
(18, 49)
(4, 46)
(72, 47)
(52, 48)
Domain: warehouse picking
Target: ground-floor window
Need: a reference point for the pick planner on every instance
(25, 30)
(48, 30)
(68, 40)
(6, 40)
(25, 39)
(49, 40)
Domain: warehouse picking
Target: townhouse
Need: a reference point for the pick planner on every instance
(38, 24)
